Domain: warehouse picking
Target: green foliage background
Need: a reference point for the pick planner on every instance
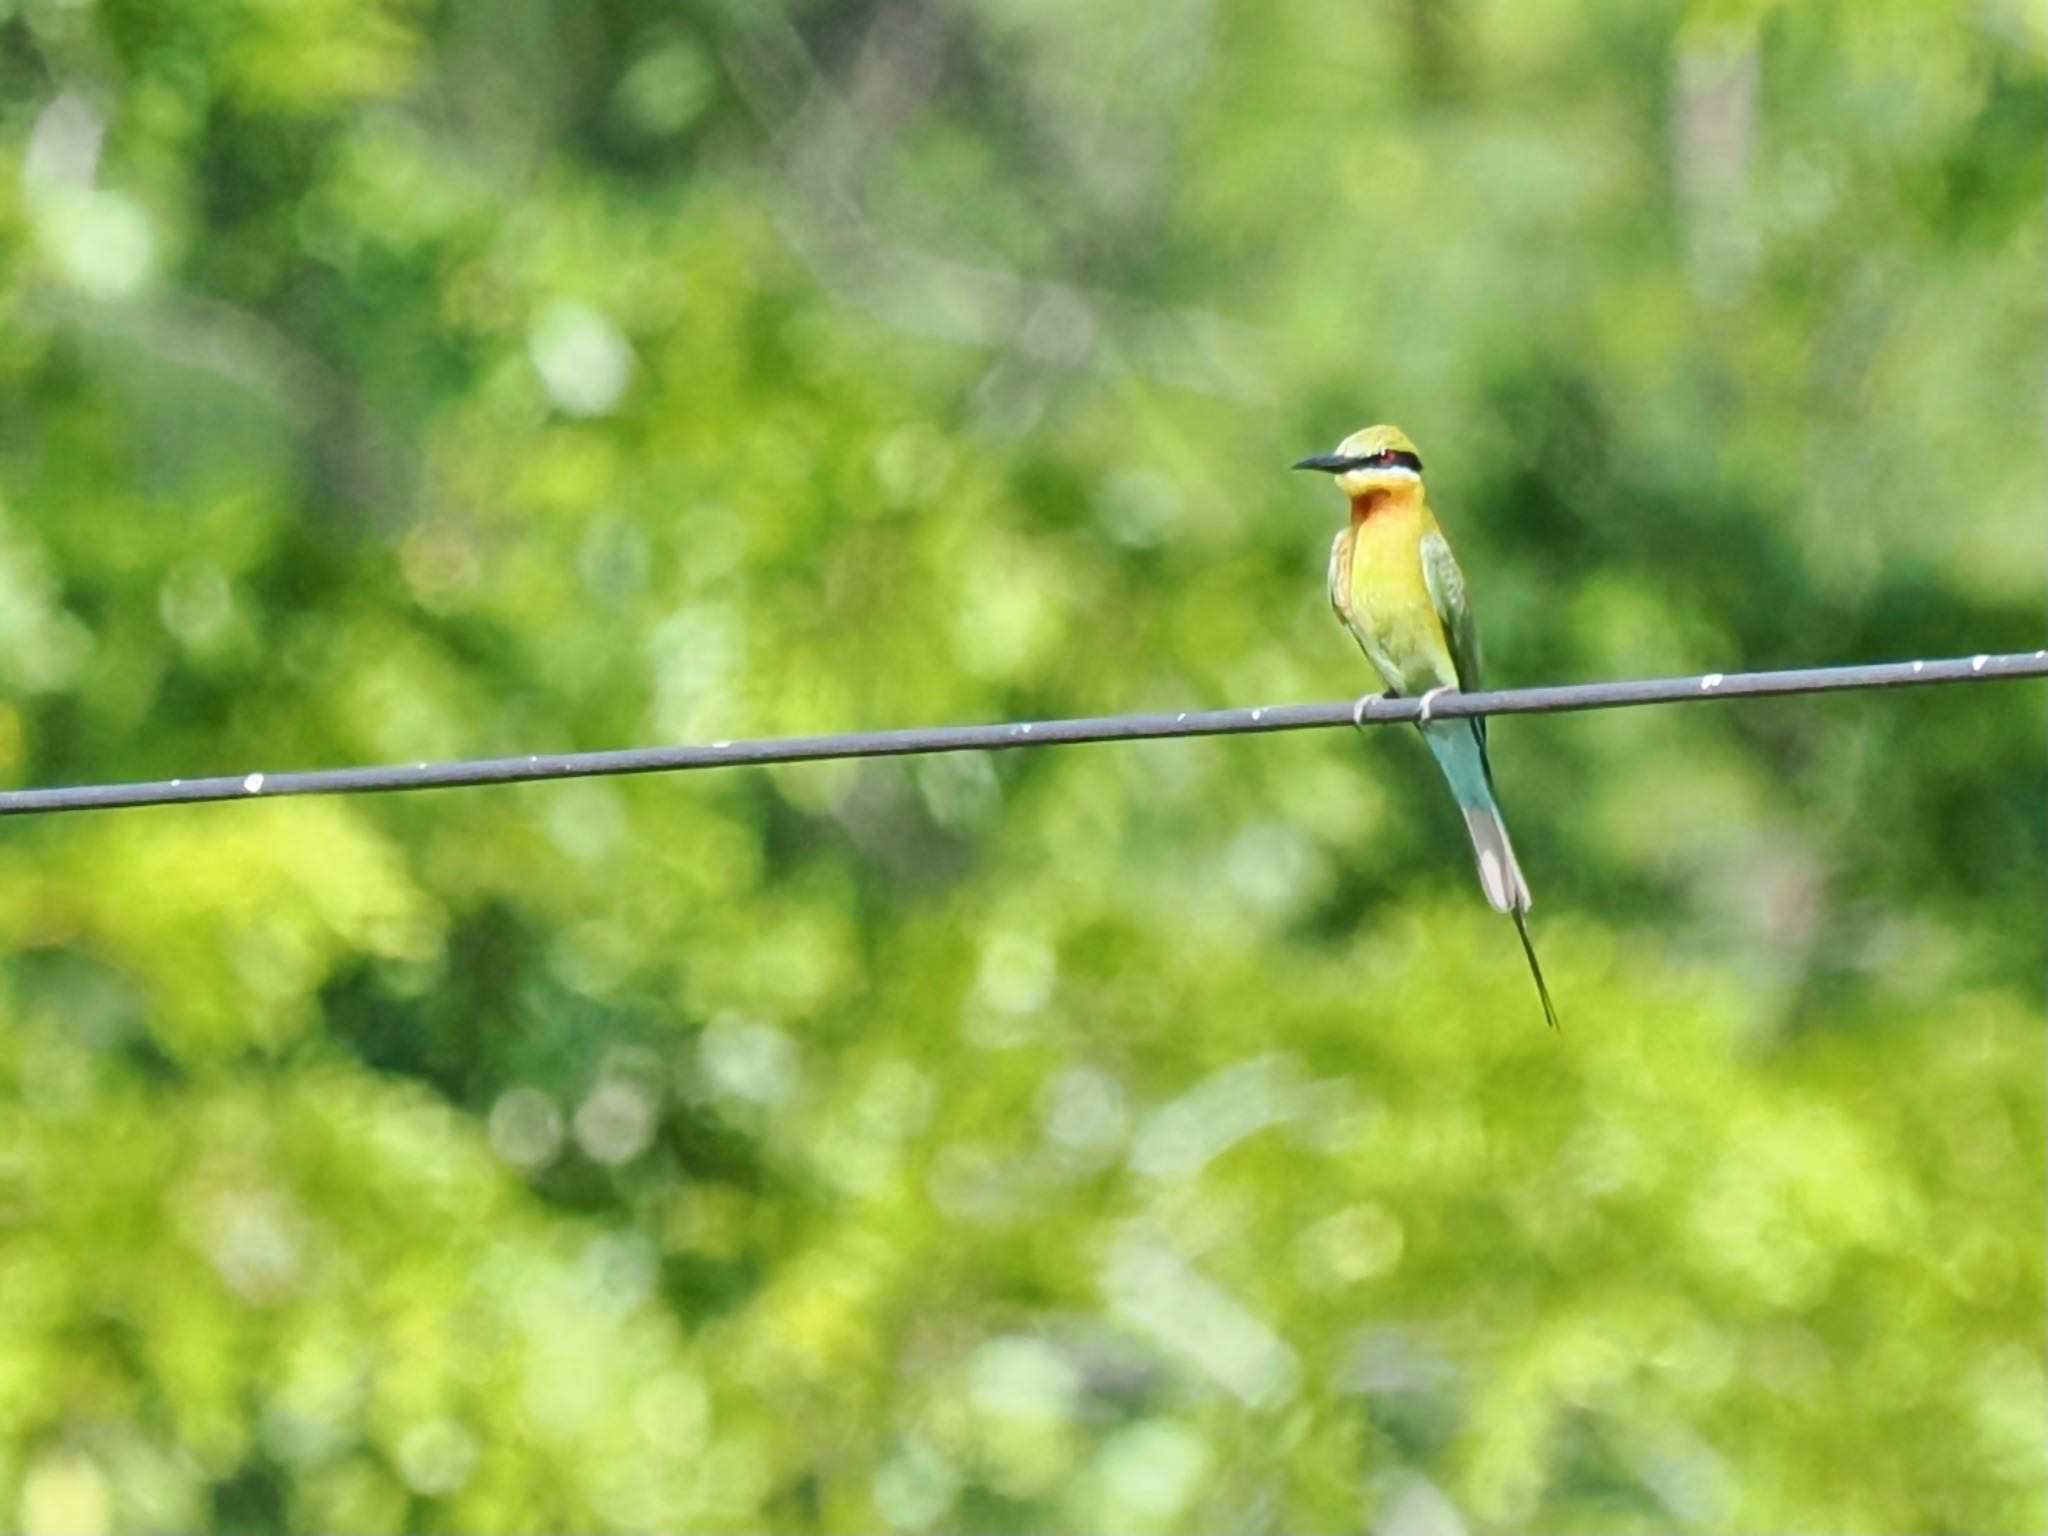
(1157, 1137)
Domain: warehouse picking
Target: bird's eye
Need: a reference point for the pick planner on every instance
(1380, 459)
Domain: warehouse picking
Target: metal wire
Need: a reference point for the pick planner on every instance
(1008, 737)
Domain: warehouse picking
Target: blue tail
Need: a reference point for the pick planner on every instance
(1460, 750)
(1461, 753)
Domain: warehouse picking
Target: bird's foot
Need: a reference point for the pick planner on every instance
(1426, 706)
(1365, 702)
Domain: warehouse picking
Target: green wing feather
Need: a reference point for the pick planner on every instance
(1446, 585)
(1340, 600)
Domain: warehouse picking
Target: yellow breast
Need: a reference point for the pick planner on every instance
(1391, 614)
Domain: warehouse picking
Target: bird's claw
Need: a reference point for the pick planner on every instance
(1426, 706)
(1365, 702)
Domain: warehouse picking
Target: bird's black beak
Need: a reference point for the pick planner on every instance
(1328, 463)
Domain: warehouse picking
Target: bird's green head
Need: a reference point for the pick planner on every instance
(1377, 459)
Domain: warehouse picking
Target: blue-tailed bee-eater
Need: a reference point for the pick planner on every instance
(1397, 588)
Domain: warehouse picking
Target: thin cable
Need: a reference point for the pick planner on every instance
(1037, 733)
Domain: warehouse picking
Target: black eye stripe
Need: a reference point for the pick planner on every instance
(1391, 458)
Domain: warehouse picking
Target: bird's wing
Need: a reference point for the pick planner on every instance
(1340, 576)
(1446, 585)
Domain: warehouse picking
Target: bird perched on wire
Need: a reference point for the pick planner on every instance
(1398, 589)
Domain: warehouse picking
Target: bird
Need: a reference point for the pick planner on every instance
(1398, 590)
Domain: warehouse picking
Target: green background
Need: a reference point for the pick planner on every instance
(1142, 1137)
